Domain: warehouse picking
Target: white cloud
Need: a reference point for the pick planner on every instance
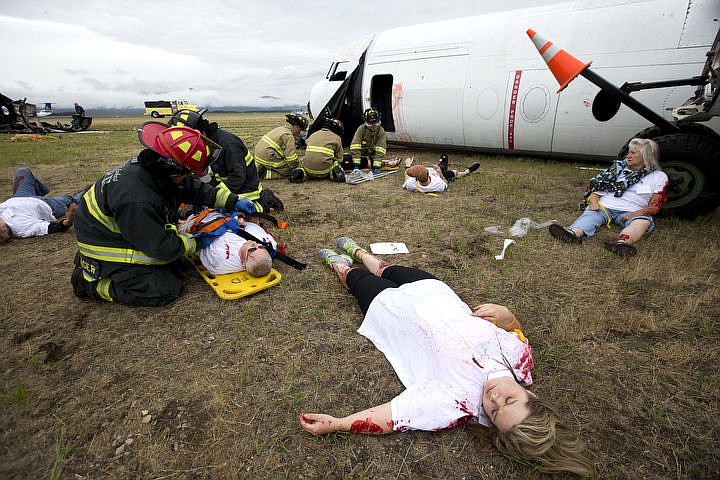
(118, 54)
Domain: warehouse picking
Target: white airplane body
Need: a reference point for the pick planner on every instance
(46, 110)
(479, 82)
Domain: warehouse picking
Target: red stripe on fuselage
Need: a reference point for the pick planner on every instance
(513, 107)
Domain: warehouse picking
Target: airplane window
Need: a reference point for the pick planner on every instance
(334, 74)
(338, 76)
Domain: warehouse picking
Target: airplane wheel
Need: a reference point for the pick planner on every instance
(687, 127)
(688, 161)
(155, 115)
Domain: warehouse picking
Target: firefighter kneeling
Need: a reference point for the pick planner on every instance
(129, 246)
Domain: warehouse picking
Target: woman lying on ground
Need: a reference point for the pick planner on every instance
(458, 365)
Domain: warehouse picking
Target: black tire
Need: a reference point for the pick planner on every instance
(155, 114)
(690, 162)
(686, 127)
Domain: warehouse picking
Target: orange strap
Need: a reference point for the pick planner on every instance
(199, 226)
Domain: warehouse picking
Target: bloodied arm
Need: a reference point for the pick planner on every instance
(653, 207)
(374, 420)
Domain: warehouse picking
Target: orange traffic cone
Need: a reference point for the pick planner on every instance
(563, 66)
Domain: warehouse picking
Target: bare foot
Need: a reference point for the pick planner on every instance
(409, 161)
(393, 163)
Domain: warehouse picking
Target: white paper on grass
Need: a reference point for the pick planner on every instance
(388, 248)
(506, 244)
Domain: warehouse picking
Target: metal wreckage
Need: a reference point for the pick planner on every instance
(18, 116)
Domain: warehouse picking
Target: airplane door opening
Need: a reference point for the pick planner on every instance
(381, 98)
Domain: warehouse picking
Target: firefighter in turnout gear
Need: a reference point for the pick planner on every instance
(369, 142)
(129, 246)
(323, 154)
(235, 170)
(275, 153)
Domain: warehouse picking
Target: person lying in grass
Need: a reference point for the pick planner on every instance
(226, 251)
(433, 179)
(459, 365)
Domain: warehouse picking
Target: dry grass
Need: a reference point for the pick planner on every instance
(625, 349)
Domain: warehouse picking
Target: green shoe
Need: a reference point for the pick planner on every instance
(331, 257)
(351, 247)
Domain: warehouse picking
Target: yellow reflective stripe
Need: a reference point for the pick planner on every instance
(261, 161)
(380, 149)
(355, 146)
(318, 149)
(171, 227)
(252, 196)
(188, 242)
(223, 190)
(118, 255)
(222, 193)
(258, 208)
(270, 164)
(103, 289)
(248, 158)
(94, 209)
(320, 172)
(272, 145)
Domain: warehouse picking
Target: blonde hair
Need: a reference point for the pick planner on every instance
(649, 150)
(542, 437)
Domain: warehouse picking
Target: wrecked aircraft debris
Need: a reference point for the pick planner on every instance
(18, 116)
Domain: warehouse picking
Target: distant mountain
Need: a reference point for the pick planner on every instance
(139, 111)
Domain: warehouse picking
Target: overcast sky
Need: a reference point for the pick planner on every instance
(210, 52)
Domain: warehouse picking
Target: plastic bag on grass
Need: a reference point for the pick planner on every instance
(522, 225)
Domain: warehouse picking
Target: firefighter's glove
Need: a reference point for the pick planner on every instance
(245, 206)
(204, 239)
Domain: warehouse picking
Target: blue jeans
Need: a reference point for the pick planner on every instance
(26, 185)
(591, 220)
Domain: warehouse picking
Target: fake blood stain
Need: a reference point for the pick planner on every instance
(365, 426)
(462, 406)
(526, 363)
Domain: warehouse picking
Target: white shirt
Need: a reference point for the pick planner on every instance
(441, 353)
(223, 254)
(437, 184)
(638, 195)
(26, 216)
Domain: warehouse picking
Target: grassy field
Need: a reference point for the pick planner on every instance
(212, 389)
